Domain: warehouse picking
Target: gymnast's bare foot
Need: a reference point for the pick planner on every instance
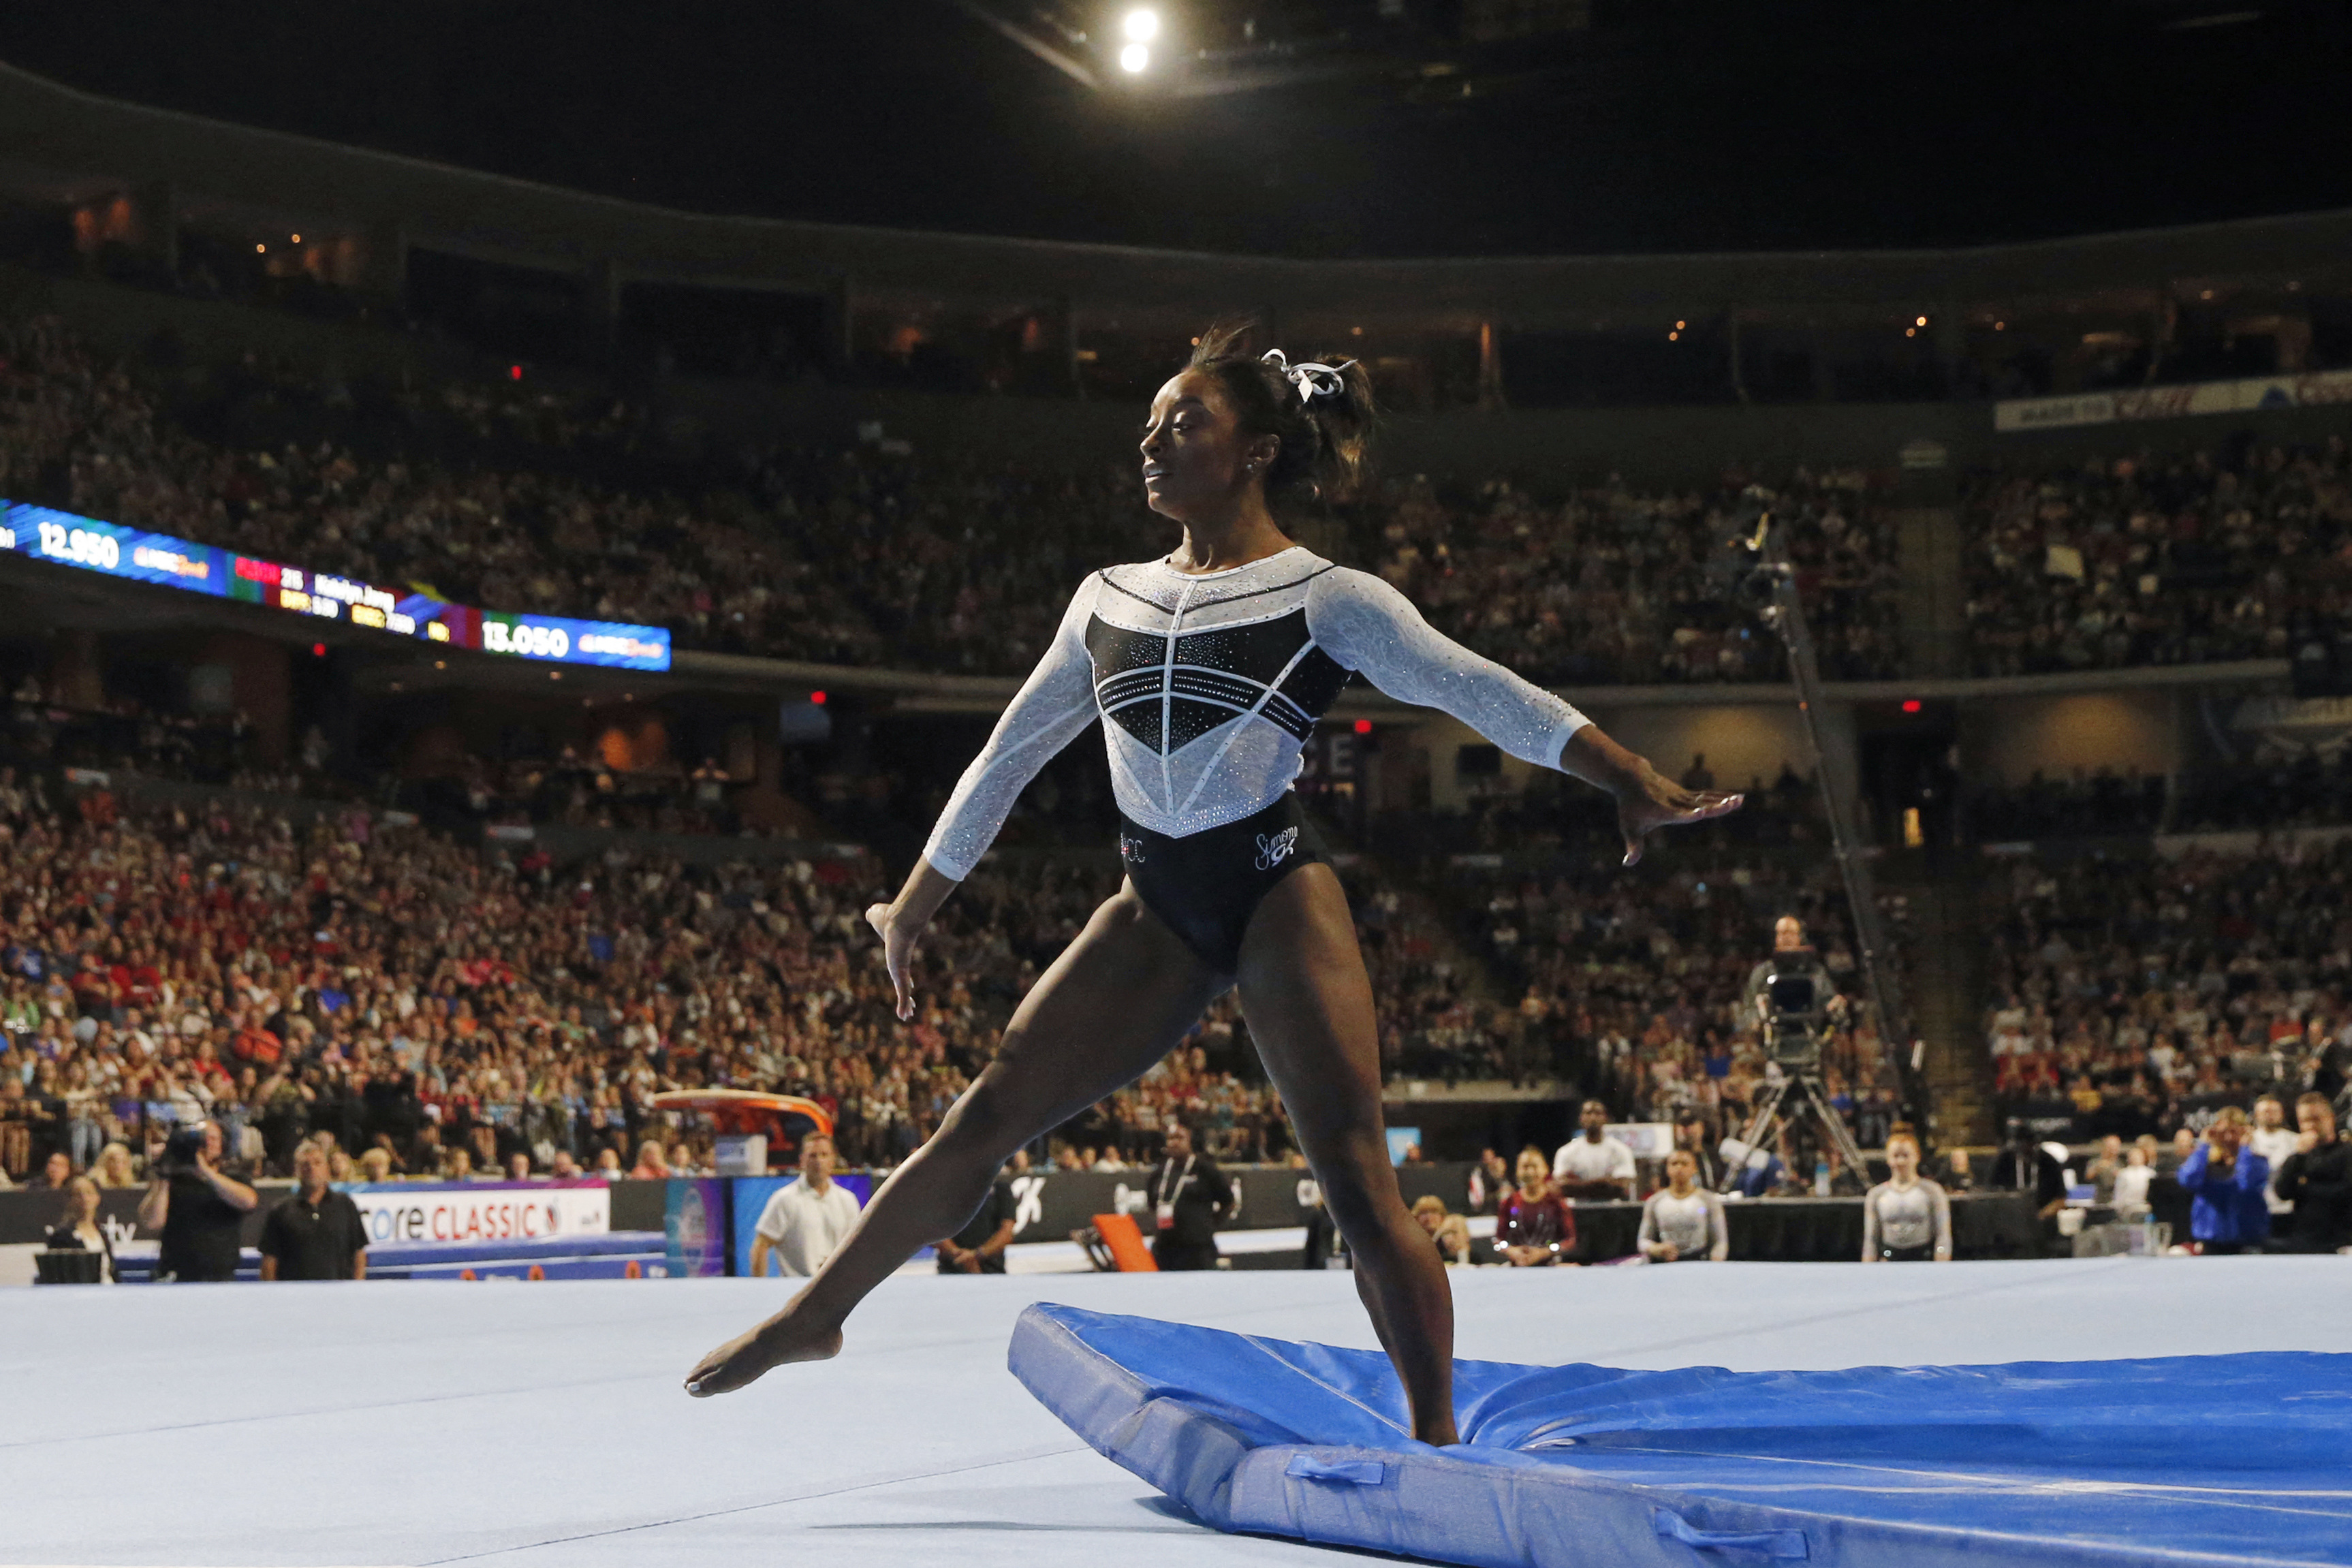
(773, 1343)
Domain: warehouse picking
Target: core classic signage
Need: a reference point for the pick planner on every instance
(398, 1211)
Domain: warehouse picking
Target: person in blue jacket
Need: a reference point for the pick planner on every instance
(2224, 1181)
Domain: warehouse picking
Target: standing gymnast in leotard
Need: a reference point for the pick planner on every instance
(1210, 668)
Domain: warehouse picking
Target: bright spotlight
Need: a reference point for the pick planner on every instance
(1140, 26)
(1134, 57)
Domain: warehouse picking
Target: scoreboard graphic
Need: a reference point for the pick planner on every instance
(60, 537)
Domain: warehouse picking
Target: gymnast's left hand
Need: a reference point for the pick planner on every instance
(1652, 801)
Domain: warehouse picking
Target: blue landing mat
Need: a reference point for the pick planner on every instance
(2180, 1460)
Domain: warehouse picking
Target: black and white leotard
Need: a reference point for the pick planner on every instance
(1210, 683)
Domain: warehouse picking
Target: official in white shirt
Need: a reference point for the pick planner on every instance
(805, 1220)
(1595, 1157)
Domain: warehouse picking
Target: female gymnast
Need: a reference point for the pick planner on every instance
(1209, 667)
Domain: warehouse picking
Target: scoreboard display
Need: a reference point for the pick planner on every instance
(47, 534)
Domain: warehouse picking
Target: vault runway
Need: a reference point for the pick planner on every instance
(543, 1424)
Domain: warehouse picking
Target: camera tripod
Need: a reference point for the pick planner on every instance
(1771, 1114)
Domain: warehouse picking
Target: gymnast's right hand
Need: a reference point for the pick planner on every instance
(899, 934)
(901, 921)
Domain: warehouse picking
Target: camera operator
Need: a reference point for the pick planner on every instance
(1793, 957)
(198, 1209)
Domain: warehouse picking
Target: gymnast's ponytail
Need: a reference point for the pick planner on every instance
(1322, 413)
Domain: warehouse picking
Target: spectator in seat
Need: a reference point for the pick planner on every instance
(80, 1229)
(2316, 1180)
(1533, 1228)
(375, 1165)
(200, 1211)
(564, 1167)
(805, 1219)
(1450, 1232)
(978, 1246)
(518, 1166)
(1189, 1196)
(608, 1166)
(113, 1168)
(1905, 1218)
(1490, 1180)
(2130, 1198)
(316, 1232)
(1594, 1164)
(1691, 1136)
(2273, 1139)
(2225, 1181)
(2104, 1168)
(653, 1165)
(1684, 1222)
(1765, 1172)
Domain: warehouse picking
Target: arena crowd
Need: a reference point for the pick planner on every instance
(2140, 994)
(571, 504)
(432, 1009)
(2146, 560)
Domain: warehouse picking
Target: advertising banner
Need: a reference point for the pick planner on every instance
(28, 1214)
(2320, 726)
(409, 1211)
(2311, 390)
(751, 1201)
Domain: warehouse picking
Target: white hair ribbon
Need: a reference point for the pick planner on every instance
(1312, 381)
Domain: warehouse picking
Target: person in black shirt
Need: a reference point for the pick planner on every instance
(316, 1232)
(978, 1246)
(200, 1212)
(1690, 1136)
(1189, 1196)
(2023, 1165)
(2317, 1180)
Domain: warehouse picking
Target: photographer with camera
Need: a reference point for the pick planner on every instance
(199, 1210)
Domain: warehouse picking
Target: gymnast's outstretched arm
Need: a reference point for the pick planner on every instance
(1371, 628)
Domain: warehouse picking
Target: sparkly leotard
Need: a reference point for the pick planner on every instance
(1211, 682)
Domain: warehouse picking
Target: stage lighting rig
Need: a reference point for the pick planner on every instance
(1428, 50)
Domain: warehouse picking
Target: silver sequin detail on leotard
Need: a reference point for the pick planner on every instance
(1209, 686)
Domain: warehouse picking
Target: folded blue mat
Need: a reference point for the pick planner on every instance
(2181, 1459)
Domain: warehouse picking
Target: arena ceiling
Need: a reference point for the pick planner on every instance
(1305, 127)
